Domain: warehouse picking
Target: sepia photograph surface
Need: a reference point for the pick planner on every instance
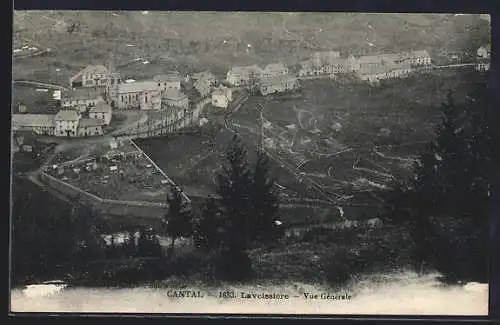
(250, 163)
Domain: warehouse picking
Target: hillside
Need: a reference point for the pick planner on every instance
(195, 40)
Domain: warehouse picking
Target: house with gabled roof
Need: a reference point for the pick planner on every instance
(143, 95)
(101, 111)
(90, 127)
(40, 124)
(240, 76)
(420, 58)
(66, 123)
(278, 84)
(82, 98)
(221, 97)
(273, 70)
(168, 81)
(95, 75)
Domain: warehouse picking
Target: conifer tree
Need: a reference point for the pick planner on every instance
(264, 201)
(177, 222)
(234, 185)
(447, 207)
(207, 235)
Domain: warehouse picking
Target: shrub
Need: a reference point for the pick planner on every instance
(233, 266)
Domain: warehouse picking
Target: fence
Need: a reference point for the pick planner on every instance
(107, 206)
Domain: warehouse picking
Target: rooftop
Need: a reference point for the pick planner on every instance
(174, 94)
(67, 115)
(95, 68)
(172, 77)
(421, 53)
(277, 79)
(366, 59)
(203, 75)
(32, 120)
(246, 70)
(81, 93)
(101, 108)
(275, 67)
(135, 87)
(89, 122)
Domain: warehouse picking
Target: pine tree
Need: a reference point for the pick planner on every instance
(234, 184)
(264, 201)
(177, 222)
(207, 234)
(448, 208)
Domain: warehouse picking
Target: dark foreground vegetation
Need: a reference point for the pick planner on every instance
(436, 220)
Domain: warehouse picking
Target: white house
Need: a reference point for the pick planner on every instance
(374, 74)
(323, 58)
(240, 76)
(41, 124)
(91, 76)
(273, 70)
(484, 51)
(483, 58)
(168, 81)
(420, 58)
(221, 97)
(145, 95)
(175, 98)
(278, 84)
(101, 111)
(66, 123)
(81, 99)
(90, 127)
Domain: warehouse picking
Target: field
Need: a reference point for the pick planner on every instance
(120, 175)
(36, 101)
(343, 143)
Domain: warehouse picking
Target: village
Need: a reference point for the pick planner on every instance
(128, 130)
(97, 90)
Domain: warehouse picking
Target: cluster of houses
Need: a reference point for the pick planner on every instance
(96, 90)
(66, 123)
(276, 77)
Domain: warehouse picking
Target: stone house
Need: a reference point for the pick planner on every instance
(221, 97)
(90, 127)
(144, 95)
(40, 124)
(81, 99)
(168, 81)
(91, 76)
(66, 123)
(101, 111)
(175, 98)
(278, 84)
(242, 76)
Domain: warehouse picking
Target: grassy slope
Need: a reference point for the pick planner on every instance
(102, 33)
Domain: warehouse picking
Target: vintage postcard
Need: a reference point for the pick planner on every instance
(250, 163)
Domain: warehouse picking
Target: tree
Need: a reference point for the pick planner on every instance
(148, 244)
(234, 183)
(177, 222)
(207, 234)
(446, 209)
(264, 201)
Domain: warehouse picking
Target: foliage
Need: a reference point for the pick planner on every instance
(208, 231)
(264, 201)
(49, 237)
(234, 188)
(177, 221)
(446, 208)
